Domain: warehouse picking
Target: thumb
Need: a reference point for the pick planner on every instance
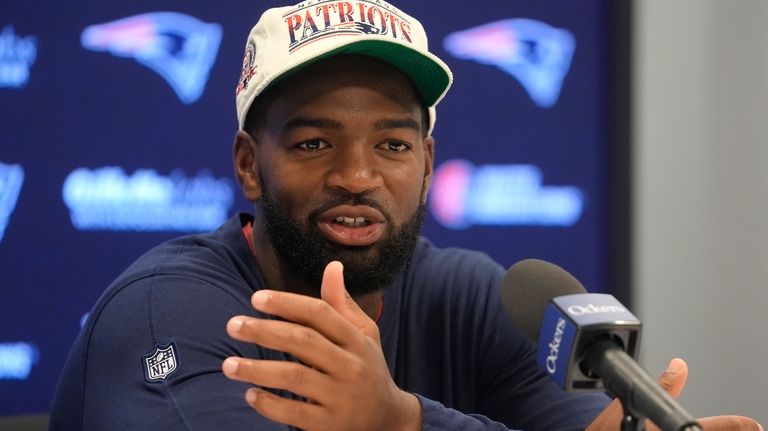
(674, 377)
(672, 380)
(335, 294)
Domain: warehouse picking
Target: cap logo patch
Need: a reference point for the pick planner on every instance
(160, 364)
(314, 20)
(248, 70)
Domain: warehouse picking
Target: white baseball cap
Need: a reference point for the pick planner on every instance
(289, 38)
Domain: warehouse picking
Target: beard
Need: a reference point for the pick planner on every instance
(304, 251)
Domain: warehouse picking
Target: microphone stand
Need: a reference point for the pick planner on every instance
(630, 421)
(640, 395)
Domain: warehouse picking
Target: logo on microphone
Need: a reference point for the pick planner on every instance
(554, 346)
(580, 310)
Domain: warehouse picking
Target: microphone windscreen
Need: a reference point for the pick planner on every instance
(527, 289)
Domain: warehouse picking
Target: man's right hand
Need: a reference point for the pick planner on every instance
(343, 375)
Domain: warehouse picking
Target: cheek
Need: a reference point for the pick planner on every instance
(291, 191)
(408, 192)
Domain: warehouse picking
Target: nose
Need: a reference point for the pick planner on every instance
(354, 170)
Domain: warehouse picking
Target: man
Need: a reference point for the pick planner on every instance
(335, 105)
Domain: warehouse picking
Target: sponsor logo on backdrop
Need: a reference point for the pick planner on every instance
(180, 48)
(536, 54)
(17, 54)
(17, 360)
(11, 180)
(109, 199)
(463, 195)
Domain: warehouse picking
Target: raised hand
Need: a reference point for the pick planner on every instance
(342, 373)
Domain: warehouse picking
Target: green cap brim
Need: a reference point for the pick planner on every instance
(428, 76)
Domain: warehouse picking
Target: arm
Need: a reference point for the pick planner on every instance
(157, 311)
(343, 376)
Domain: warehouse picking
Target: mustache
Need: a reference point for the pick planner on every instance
(351, 199)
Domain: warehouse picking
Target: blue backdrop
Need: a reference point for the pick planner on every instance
(117, 120)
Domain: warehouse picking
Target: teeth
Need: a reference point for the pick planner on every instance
(351, 221)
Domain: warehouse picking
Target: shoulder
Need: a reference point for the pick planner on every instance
(186, 284)
(217, 257)
(216, 263)
(447, 284)
(453, 267)
(178, 296)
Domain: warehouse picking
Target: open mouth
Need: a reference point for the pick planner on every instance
(352, 225)
(352, 221)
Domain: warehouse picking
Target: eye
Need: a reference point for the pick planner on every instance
(395, 146)
(313, 145)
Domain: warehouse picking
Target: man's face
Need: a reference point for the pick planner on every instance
(344, 170)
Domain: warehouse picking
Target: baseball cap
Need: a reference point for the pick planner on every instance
(286, 39)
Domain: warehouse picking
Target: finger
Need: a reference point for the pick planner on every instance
(335, 293)
(299, 414)
(674, 377)
(290, 376)
(729, 423)
(305, 343)
(308, 311)
(672, 380)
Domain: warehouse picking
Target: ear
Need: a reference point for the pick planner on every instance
(429, 160)
(245, 153)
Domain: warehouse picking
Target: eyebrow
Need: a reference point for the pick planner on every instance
(405, 123)
(304, 122)
(326, 123)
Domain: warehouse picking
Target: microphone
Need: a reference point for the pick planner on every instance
(587, 341)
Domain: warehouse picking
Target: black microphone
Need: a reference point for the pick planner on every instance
(587, 341)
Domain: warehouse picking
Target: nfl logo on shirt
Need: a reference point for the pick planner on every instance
(161, 363)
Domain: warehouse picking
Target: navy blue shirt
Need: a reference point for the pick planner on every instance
(150, 354)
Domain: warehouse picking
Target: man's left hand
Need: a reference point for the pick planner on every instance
(673, 381)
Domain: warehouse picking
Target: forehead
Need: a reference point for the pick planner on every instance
(343, 72)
